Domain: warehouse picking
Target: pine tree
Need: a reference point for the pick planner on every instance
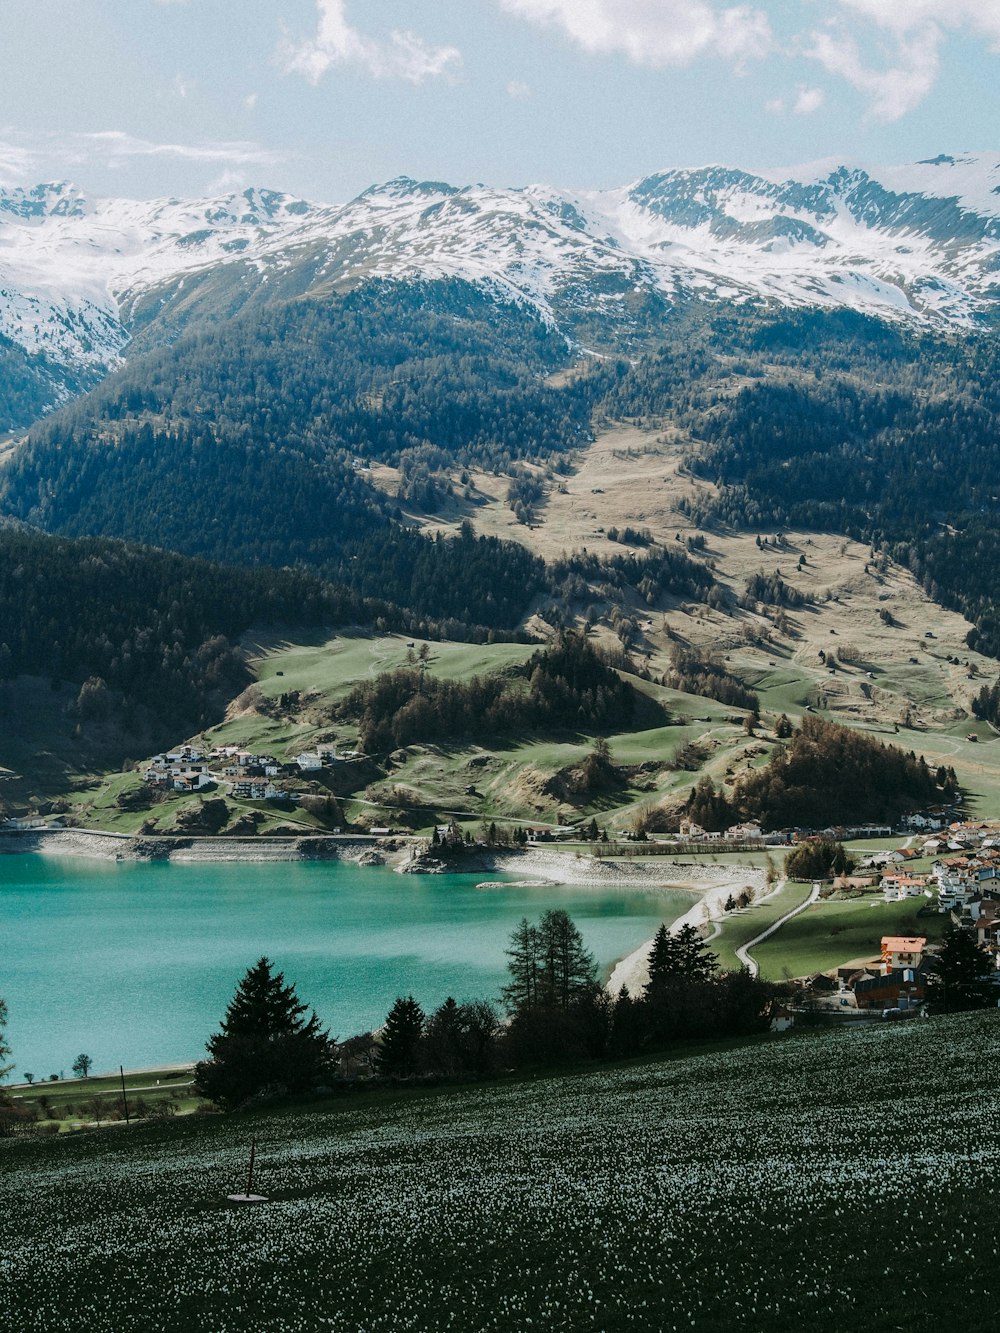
(962, 965)
(677, 999)
(265, 1042)
(523, 964)
(662, 959)
(626, 1024)
(399, 1054)
(568, 970)
(444, 1038)
(695, 961)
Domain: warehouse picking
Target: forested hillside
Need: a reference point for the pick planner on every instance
(566, 686)
(247, 442)
(842, 423)
(241, 443)
(826, 774)
(148, 631)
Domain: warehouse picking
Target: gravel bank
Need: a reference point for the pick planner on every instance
(122, 847)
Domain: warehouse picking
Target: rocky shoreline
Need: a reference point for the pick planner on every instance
(183, 848)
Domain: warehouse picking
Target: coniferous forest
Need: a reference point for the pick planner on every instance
(826, 775)
(563, 687)
(246, 442)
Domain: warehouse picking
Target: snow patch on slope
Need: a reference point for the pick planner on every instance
(918, 242)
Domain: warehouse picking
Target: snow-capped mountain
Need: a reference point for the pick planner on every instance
(79, 277)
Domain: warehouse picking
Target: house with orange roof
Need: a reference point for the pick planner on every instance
(903, 951)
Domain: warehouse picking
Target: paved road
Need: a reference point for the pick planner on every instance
(743, 952)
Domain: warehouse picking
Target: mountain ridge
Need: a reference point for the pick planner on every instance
(81, 278)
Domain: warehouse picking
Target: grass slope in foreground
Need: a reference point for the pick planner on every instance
(732, 1189)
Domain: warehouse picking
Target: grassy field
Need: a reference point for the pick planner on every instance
(830, 934)
(718, 1191)
(68, 1105)
(739, 927)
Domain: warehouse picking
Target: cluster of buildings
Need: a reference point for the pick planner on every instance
(963, 881)
(247, 774)
(964, 874)
(750, 831)
(887, 987)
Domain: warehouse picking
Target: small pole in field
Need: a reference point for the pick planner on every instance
(124, 1098)
(253, 1154)
(248, 1195)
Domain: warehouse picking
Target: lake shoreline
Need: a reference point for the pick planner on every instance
(185, 848)
(709, 884)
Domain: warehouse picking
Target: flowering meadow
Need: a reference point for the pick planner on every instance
(809, 1182)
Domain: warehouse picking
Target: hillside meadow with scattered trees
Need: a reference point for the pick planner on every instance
(825, 775)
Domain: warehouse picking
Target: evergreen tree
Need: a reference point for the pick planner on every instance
(568, 971)
(4, 1048)
(680, 957)
(818, 858)
(695, 961)
(523, 964)
(443, 1040)
(402, 1036)
(959, 983)
(679, 999)
(662, 959)
(265, 1041)
(626, 1024)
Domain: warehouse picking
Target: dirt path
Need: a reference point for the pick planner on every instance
(743, 952)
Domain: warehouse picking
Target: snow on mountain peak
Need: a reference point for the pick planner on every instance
(918, 242)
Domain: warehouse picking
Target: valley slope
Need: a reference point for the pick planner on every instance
(740, 428)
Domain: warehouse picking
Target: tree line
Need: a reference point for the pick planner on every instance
(826, 774)
(240, 442)
(555, 1011)
(694, 673)
(564, 686)
(149, 629)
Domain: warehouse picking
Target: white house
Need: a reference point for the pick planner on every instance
(953, 891)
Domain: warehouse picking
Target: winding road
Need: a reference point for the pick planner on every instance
(743, 952)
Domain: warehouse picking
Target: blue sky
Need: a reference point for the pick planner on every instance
(324, 97)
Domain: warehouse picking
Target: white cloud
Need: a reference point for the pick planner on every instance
(250, 101)
(915, 31)
(228, 182)
(776, 106)
(28, 158)
(117, 144)
(892, 92)
(655, 33)
(403, 56)
(808, 100)
(518, 89)
(906, 16)
(17, 163)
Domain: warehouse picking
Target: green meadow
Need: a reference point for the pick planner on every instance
(723, 1188)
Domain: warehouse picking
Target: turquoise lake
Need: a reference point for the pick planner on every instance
(134, 963)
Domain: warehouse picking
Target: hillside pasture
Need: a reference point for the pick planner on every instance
(725, 1190)
(831, 934)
